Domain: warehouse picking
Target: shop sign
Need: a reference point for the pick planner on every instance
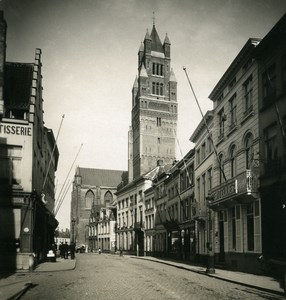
(226, 190)
(10, 129)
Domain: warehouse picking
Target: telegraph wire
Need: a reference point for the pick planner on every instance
(63, 187)
(50, 161)
(204, 119)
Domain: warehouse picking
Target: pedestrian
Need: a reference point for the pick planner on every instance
(66, 250)
(99, 250)
(61, 248)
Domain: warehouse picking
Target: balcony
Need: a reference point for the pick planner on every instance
(238, 188)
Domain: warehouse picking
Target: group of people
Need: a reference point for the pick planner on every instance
(66, 249)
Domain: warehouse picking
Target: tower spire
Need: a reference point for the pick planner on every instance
(153, 19)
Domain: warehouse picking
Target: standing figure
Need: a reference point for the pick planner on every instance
(61, 248)
(66, 250)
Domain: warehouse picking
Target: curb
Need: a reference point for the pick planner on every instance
(215, 276)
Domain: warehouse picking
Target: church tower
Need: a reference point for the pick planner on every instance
(152, 135)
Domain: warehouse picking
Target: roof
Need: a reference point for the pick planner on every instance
(208, 118)
(100, 177)
(17, 85)
(172, 76)
(156, 44)
(246, 51)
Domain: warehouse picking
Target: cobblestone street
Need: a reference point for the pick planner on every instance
(114, 277)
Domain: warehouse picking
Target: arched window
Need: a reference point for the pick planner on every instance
(89, 197)
(108, 198)
(248, 150)
(232, 153)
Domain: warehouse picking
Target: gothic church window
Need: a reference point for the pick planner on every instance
(89, 197)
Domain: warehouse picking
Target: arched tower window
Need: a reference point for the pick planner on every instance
(89, 197)
(108, 198)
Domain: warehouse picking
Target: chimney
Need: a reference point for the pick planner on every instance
(3, 29)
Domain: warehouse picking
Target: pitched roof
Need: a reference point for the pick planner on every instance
(17, 85)
(156, 44)
(100, 177)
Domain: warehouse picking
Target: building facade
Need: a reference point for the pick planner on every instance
(28, 158)
(271, 59)
(203, 181)
(93, 190)
(235, 196)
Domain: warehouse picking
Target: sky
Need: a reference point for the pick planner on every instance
(89, 64)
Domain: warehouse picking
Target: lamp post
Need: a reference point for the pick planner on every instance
(73, 230)
(210, 262)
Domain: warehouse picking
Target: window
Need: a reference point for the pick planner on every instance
(250, 227)
(198, 189)
(159, 141)
(157, 69)
(153, 88)
(232, 153)
(232, 109)
(108, 198)
(157, 88)
(248, 150)
(204, 186)
(271, 149)
(221, 169)
(198, 156)
(89, 197)
(269, 84)
(233, 227)
(248, 95)
(159, 122)
(221, 120)
(210, 179)
(203, 151)
(10, 162)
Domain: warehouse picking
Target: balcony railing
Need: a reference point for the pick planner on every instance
(243, 184)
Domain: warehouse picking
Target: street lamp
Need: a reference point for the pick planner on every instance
(73, 230)
(210, 262)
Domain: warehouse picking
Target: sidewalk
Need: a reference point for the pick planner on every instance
(264, 283)
(14, 286)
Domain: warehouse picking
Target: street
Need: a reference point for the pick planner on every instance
(113, 277)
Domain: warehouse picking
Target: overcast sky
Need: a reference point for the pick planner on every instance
(89, 57)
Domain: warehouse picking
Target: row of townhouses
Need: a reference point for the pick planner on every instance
(28, 162)
(225, 198)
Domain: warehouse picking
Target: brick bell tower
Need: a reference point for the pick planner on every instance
(152, 135)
